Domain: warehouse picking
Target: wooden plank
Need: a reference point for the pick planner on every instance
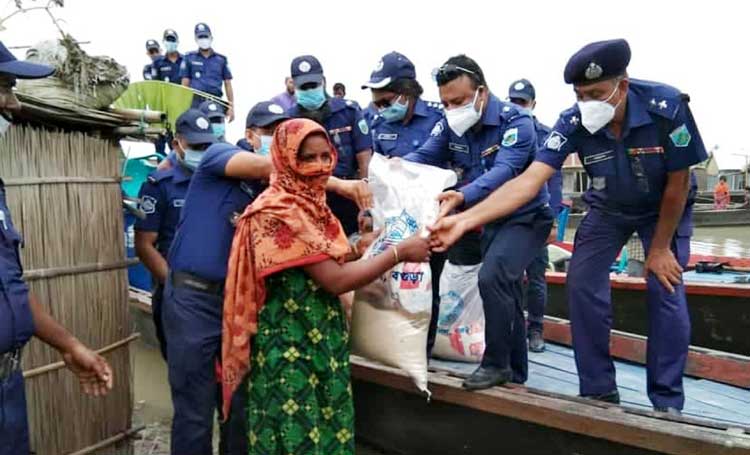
(593, 419)
(703, 363)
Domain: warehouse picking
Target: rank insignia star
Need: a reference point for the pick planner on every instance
(574, 120)
(653, 102)
(662, 104)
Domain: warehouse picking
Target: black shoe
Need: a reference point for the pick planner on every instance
(611, 397)
(674, 412)
(536, 341)
(486, 377)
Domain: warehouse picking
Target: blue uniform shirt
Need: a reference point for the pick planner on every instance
(628, 175)
(148, 72)
(487, 157)
(206, 74)
(213, 201)
(162, 197)
(166, 70)
(16, 321)
(349, 132)
(554, 184)
(396, 139)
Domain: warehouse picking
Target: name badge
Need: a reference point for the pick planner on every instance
(461, 148)
(343, 129)
(196, 63)
(387, 136)
(178, 202)
(247, 189)
(646, 151)
(599, 157)
(490, 151)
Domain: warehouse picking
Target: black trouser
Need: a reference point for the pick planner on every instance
(157, 297)
(437, 261)
(345, 210)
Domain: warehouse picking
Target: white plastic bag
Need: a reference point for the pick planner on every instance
(391, 316)
(460, 330)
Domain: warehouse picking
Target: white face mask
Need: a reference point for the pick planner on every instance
(462, 118)
(204, 43)
(596, 114)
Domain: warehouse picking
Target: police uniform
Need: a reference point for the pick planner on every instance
(164, 69)
(16, 328)
(349, 133)
(148, 70)
(628, 178)
(193, 301)
(206, 74)
(396, 139)
(497, 149)
(161, 199)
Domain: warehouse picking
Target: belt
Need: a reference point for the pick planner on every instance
(10, 362)
(196, 283)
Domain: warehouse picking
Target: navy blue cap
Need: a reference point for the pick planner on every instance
(202, 29)
(211, 109)
(195, 127)
(522, 89)
(152, 44)
(171, 35)
(391, 67)
(598, 61)
(305, 69)
(22, 70)
(265, 113)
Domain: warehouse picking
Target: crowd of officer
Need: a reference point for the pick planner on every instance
(636, 139)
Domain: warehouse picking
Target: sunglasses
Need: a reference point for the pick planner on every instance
(448, 72)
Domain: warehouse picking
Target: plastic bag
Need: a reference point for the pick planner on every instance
(460, 330)
(391, 315)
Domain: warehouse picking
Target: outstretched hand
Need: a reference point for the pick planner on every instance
(93, 371)
(446, 232)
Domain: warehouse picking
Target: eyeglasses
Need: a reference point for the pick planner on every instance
(448, 72)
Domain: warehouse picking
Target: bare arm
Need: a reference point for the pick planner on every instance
(247, 165)
(661, 261)
(355, 190)
(149, 255)
(186, 81)
(230, 97)
(363, 162)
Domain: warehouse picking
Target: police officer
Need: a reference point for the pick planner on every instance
(339, 90)
(404, 120)
(167, 68)
(161, 199)
(488, 142)
(523, 94)
(154, 53)
(402, 124)
(222, 186)
(21, 315)
(637, 140)
(215, 115)
(205, 70)
(345, 125)
(259, 127)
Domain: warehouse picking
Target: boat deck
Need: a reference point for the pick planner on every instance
(554, 371)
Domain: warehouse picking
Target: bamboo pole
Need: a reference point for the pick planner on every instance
(140, 115)
(58, 180)
(54, 272)
(109, 441)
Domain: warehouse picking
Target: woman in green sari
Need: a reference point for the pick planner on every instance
(286, 271)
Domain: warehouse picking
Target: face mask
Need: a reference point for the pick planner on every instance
(311, 99)
(218, 129)
(395, 112)
(170, 46)
(204, 43)
(596, 114)
(192, 158)
(265, 145)
(462, 118)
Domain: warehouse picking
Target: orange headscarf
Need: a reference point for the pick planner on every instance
(289, 225)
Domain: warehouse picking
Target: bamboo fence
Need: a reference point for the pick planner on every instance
(64, 194)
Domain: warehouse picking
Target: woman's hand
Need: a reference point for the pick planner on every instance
(414, 249)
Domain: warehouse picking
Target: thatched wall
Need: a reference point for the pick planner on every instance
(65, 199)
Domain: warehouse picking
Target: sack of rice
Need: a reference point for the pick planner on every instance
(460, 331)
(391, 316)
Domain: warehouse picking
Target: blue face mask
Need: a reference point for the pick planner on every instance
(218, 129)
(395, 112)
(192, 158)
(265, 145)
(311, 99)
(170, 46)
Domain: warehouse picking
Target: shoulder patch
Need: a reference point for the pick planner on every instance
(437, 130)
(148, 205)
(680, 136)
(363, 128)
(555, 141)
(510, 137)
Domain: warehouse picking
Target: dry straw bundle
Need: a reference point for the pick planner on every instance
(63, 190)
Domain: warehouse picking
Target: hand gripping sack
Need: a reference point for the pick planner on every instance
(391, 315)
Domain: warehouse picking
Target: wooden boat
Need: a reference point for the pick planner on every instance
(542, 417)
(701, 218)
(719, 311)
